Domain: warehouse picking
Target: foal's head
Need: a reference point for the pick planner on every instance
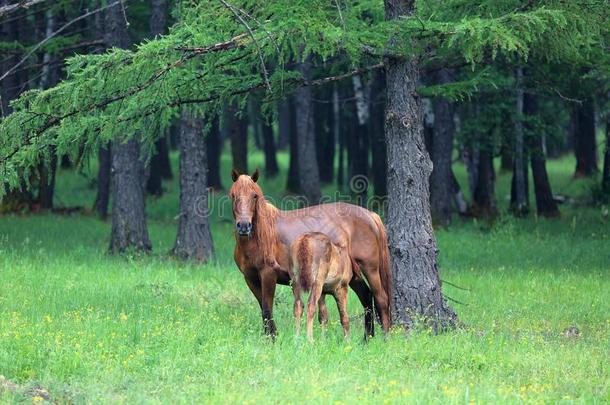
(247, 198)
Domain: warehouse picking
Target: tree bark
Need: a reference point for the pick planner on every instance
(441, 180)
(129, 229)
(283, 116)
(358, 144)
(519, 200)
(484, 195)
(378, 148)
(293, 184)
(214, 150)
(194, 240)
(309, 178)
(325, 142)
(585, 147)
(341, 135)
(545, 204)
(238, 135)
(417, 285)
(606, 173)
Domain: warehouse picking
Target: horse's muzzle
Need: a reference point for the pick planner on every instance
(244, 228)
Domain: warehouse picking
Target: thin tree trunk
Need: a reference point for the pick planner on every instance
(214, 150)
(545, 204)
(606, 173)
(283, 115)
(309, 178)
(340, 136)
(585, 147)
(484, 196)
(358, 144)
(324, 135)
(103, 182)
(506, 156)
(378, 148)
(519, 200)
(271, 167)
(441, 180)
(129, 229)
(293, 184)
(238, 135)
(194, 240)
(417, 285)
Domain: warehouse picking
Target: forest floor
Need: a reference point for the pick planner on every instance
(80, 326)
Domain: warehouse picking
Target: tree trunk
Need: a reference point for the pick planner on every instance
(417, 285)
(606, 173)
(441, 180)
(293, 184)
(340, 134)
(378, 148)
(585, 147)
(129, 229)
(506, 156)
(484, 195)
(103, 182)
(545, 204)
(238, 135)
(309, 178)
(519, 199)
(214, 150)
(325, 146)
(358, 144)
(271, 167)
(194, 240)
(284, 125)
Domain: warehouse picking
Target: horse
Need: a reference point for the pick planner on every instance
(264, 233)
(319, 266)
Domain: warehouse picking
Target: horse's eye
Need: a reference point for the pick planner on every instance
(254, 195)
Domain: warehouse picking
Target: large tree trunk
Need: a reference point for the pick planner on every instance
(237, 126)
(358, 144)
(417, 285)
(519, 199)
(378, 148)
(293, 184)
(585, 147)
(309, 178)
(214, 150)
(129, 229)
(194, 240)
(441, 180)
(545, 204)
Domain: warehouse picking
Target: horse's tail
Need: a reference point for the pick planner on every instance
(385, 272)
(304, 262)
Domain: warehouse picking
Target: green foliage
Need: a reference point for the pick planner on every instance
(127, 93)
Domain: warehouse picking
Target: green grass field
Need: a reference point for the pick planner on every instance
(92, 328)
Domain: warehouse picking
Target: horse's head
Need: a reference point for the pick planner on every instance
(246, 196)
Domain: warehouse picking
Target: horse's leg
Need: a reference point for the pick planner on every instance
(366, 299)
(268, 282)
(382, 302)
(341, 298)
(322, 311)
(298, 307)
(254, 284)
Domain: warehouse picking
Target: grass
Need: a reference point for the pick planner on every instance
(92, 328)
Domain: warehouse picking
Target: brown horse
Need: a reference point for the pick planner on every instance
(263, 236)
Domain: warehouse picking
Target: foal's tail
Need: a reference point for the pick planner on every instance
(385, 272)
(304, 263)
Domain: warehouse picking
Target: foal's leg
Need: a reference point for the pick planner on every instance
(341, 297)
(322, 311)
(366, 299)
(268, 282)
(312, 303)
(298, 307)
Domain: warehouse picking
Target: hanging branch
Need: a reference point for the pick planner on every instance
(260, 53)
(54, 34)
(6, 10)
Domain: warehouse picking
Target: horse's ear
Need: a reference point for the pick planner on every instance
(234, 175)
(255, 175)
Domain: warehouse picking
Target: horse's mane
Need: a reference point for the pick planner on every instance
(264, 220)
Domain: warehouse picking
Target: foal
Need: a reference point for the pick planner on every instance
(319, 266)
